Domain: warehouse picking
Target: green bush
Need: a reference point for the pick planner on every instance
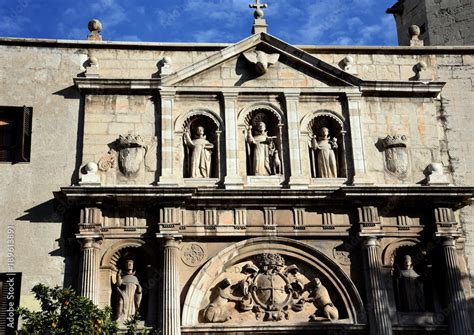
(64, 312)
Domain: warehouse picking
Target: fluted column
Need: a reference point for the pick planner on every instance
(458, 317)
(377, 299)
(171, 304)
(89, 268)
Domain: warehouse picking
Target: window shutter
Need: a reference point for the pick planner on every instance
(25, 145)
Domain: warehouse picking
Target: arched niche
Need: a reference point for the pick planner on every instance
(413, 286)
(212, 125)
(311, 128)
(274, 120)
(146, 267)
(306, 258)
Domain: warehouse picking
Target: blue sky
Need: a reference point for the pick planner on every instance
(319, 22)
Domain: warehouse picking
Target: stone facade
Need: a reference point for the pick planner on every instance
(235, 251)
(444, 22)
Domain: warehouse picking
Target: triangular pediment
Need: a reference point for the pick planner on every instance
(231, 67)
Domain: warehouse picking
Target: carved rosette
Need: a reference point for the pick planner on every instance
(396, 155)
(192, 254)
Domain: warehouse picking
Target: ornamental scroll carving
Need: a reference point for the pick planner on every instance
(268, 289)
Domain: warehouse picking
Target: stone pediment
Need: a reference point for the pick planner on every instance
(261, 61)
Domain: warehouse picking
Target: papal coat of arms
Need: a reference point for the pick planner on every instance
(396, 155)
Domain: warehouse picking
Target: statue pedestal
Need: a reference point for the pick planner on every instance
(265, 181)
(201, 182)
(321, 182)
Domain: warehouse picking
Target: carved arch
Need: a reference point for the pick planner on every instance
(184, 119)
(388, 254)
(112, 255)
(245, 114)
(286, 247)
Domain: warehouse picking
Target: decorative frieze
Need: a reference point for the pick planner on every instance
(240, 218)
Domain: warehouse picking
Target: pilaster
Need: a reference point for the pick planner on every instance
(354, 102)
(167, 138)
(297, 179)
(232, 179)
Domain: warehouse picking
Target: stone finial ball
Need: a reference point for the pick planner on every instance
(93, 60)
(436, 168)
(258, 14)
(421, 66)
(414, 30)
(167, 60)
(95, 25)
(348, 60)
(91, 167)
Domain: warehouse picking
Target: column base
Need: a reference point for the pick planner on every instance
(298, 183)
(169, 181)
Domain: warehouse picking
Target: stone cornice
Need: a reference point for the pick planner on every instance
(398, 88)
(324, 49)
(152, 196)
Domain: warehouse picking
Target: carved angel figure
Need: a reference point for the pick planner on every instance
(326, 158)
(129, 292)
(261, 60)
(201, 156)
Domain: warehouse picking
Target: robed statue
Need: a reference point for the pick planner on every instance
(324, 147)
(264, 157)
(200, 158)
(129, 292)
(409, 287)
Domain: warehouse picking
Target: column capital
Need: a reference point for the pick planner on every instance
(230, 94)
(369, 241)
(292, 94)
(167, 92)
(353, 95)
(89, 241)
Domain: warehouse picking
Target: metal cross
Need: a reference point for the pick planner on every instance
(258, 5)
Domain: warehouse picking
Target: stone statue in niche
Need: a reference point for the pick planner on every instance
(409, 287)
(396, 155)
(324, 146)
(264, 156)
(129, 292)
(322, 301)
(270, 290)
(201, 153)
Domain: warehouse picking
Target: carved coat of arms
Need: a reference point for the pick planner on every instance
(131, 153)
(396, 155)
(271, 289)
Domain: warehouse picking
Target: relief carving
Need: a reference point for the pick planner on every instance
(192, 254)
(261, 60)
(131, 154)
(396, 155)
(271, 291)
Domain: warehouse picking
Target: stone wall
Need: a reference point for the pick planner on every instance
(445, 22)
(41, 77)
